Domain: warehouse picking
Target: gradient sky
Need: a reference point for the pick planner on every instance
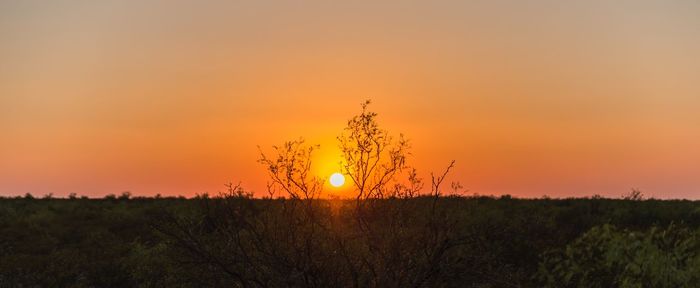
(531, 98)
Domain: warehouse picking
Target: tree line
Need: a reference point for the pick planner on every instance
(397, 230)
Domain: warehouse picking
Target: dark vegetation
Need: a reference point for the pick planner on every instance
(393, 232)
(504, 242)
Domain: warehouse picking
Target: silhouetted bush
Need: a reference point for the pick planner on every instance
(393, 232)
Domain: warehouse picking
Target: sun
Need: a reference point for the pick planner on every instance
(337, 179)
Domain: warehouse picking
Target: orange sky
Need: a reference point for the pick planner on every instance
(546, 98)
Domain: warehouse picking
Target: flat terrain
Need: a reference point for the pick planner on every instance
(445, 242)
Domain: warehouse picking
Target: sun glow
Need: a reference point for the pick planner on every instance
(337, 179)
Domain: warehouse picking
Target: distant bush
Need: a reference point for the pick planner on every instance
(391, 233)
(492, 242)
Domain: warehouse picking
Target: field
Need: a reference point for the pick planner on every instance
(237, 241)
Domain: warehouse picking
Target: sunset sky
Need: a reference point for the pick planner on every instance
(531, 98)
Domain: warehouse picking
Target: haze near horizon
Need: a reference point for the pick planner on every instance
(544, 98)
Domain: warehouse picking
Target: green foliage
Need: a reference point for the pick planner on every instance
(392, 234)
(607, 256)
(502, 242)
(74, 242)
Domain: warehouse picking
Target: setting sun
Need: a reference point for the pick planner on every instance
(207, 143)
(337, 179)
